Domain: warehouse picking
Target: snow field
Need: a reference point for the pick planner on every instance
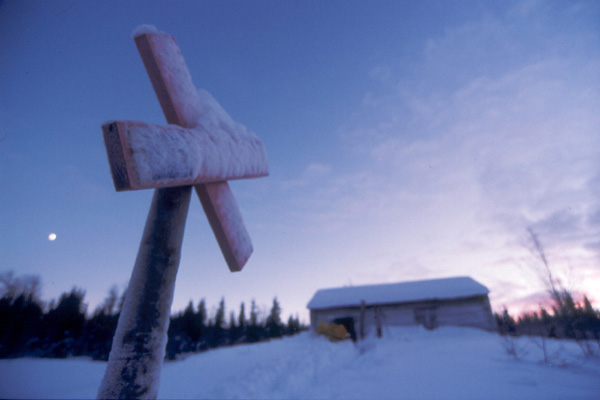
(407, 363)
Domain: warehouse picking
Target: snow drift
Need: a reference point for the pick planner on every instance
(407, 363)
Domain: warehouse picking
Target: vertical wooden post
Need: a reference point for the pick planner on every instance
(138, 348)
(363, 310)
(378, 321)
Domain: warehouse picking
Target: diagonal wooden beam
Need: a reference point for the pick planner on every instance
(181, 105)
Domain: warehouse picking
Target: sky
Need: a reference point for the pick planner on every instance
(406, 140)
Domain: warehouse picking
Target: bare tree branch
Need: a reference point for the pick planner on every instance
(546, 276)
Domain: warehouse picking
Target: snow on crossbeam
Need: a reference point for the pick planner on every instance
(144, 156)
(205, 149)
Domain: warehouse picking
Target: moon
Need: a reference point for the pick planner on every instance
(52, 237)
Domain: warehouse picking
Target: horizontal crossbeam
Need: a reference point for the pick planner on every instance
(144, 156)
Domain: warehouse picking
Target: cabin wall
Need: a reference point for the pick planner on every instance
(472, 312)
(475, 312)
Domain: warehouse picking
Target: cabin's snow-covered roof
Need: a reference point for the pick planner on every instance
(434, 289)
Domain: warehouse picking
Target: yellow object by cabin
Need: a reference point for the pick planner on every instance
(333, 332)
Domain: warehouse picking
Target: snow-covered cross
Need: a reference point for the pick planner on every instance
(202, 147)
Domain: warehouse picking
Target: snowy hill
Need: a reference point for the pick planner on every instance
(407, 363)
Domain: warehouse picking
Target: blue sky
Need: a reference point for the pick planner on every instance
(406, 140)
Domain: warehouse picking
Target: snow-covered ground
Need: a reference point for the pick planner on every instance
(407, 363)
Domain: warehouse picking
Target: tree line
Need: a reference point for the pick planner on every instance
(59, 329)
(191, 330)
(566, 319)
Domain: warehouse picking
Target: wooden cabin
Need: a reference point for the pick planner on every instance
(457, 301)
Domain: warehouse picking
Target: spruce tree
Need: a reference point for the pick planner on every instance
(191, 324)
(274, 326)
(293, 325)
(100, 328)
(234, 330)
(64, 324)
(20, 320)
(201, 315)
(242, 316)
(254, 330)
(219, 325)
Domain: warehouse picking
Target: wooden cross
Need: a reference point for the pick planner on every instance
(146, 156)
(202, 148)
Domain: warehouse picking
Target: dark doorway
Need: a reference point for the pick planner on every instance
(348, 323)
(426, 316)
